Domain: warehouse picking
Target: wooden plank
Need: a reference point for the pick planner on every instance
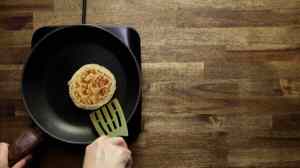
(286, 69)
(166, 130)
(267, 141)
(10, 108)
(73, 6)
(271, 70)
(136, 20)
(20, 110)
(193, 128)
(199, 149)
(133, 6)
(261, 156)
(217, 97)
(10, 73)
(25, 5)
(190, 158)
(55, 18)
(222, 70)
(242, 5)
(16, 21)
(176, 53)
(289, 87)
(172, 71)
(202, 53)
(134, 13)
(220, 88)
(12, 128)
(7, 109)
(14, 55)
(207, 17)
(263, 55)
(287, 122)
(10, 90)
(262, 38)
(234, 39)
(241, 124)
(251, 106)
(15, 38)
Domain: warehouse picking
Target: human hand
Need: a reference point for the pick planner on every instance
(106, 152)
(4, 158)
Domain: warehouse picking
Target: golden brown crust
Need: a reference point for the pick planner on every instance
(91, 86)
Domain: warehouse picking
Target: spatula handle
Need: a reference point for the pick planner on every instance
(24, 145)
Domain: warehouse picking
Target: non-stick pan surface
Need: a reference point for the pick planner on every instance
(51, 65)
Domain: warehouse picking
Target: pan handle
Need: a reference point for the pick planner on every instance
(24, 145)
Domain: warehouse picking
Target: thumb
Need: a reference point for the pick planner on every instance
(3, 155)
(22, 163)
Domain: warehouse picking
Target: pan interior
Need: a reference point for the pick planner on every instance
(51, 65)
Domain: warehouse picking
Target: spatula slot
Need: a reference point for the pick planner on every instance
(119, 120)
(104, 131)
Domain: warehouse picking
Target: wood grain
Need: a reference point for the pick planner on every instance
(243, 5)
(67, 6)
(13, 38)
(221, 81)
(206, 17)
(14, 55)
(12, 127)
(26, 5)
(133, 13)
(16, 21)
(55, 19)
(172, 71)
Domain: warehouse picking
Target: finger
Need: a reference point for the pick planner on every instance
(22, 163)
(129, 163)
(3, 155)
(127, 159)
(119, 142)
(125, 154)
(101, 139)
(96, 142)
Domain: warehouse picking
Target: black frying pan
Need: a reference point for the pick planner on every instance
(51, 64)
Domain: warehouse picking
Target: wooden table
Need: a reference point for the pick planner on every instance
(221, 79)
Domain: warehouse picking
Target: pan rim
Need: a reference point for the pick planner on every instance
(137, 67)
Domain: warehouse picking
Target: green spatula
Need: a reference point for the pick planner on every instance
(110, 120)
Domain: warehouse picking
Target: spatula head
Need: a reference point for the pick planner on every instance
(110, 120)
